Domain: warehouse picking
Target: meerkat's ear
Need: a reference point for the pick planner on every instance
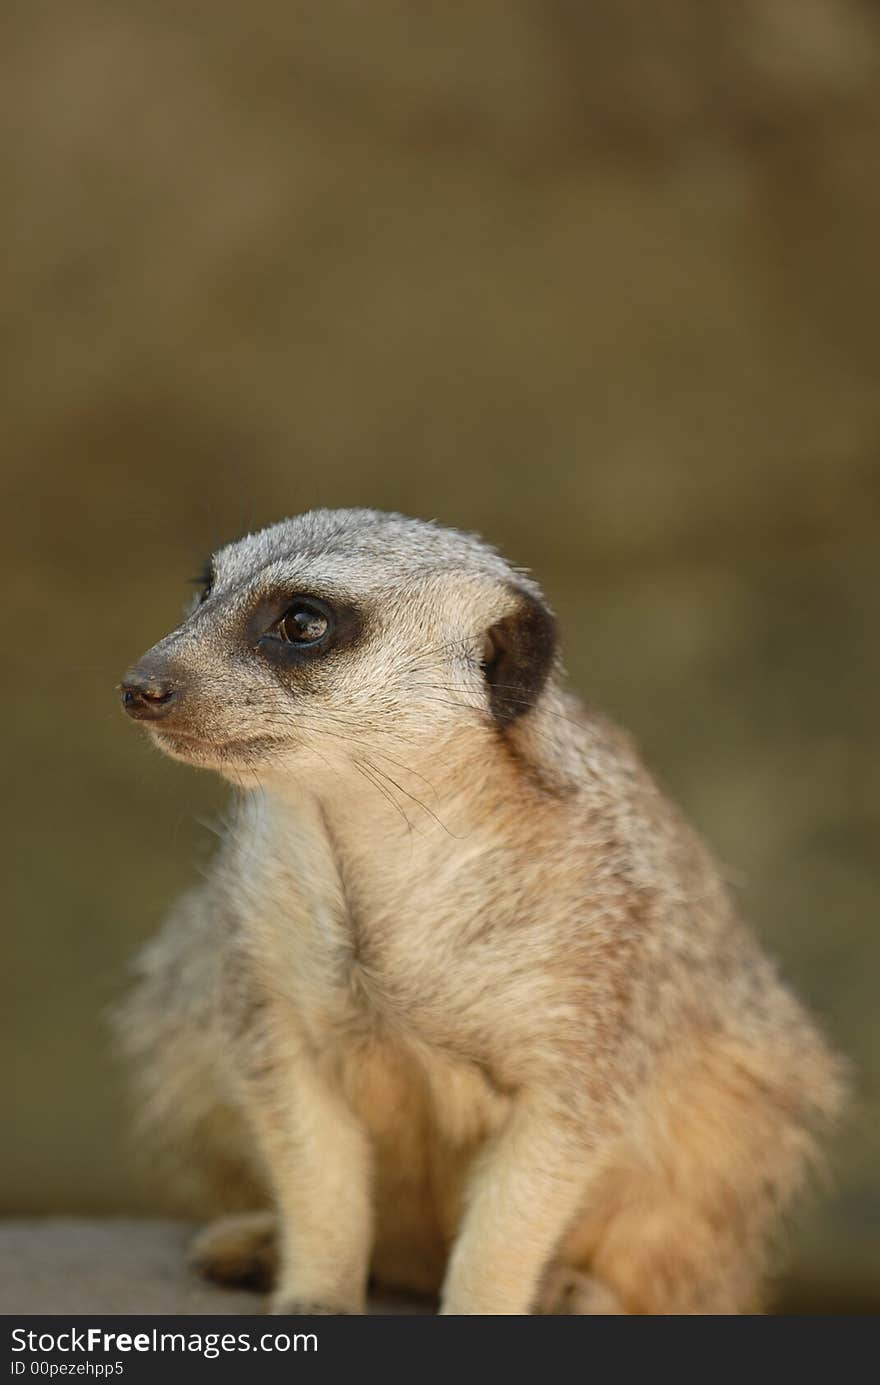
(518, 654)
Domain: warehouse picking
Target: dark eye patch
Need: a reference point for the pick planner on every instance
(294, 630)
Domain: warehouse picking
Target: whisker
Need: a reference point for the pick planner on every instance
(520, 701)
(422, 805)
(359, 766)
(409, 769)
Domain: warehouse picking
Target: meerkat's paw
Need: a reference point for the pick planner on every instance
(238, 1250)
(569, 1292)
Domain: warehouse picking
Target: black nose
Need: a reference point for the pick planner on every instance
(147, 696)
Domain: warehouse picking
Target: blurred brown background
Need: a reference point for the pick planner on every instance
(599, 279)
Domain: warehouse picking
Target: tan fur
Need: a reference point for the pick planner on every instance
(463, 1003)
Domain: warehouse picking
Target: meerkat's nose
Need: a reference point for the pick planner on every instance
(147, 696)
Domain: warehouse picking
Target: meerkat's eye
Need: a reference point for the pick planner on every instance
(205, 580)
(303, 624)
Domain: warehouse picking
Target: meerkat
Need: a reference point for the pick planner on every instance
(462, 1005)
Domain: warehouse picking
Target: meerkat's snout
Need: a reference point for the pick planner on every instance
(148, 694)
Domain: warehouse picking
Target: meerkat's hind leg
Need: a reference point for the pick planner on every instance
(239, 1250)
(569, 1292)
(686, 1223)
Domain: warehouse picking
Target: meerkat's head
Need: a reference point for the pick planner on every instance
(342, 629)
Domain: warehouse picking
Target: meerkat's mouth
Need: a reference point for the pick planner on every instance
(183, 745)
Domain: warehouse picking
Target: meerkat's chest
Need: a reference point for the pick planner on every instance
(391, 938)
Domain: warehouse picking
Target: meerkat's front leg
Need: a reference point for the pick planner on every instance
(318, 1160)
(525, 1191)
